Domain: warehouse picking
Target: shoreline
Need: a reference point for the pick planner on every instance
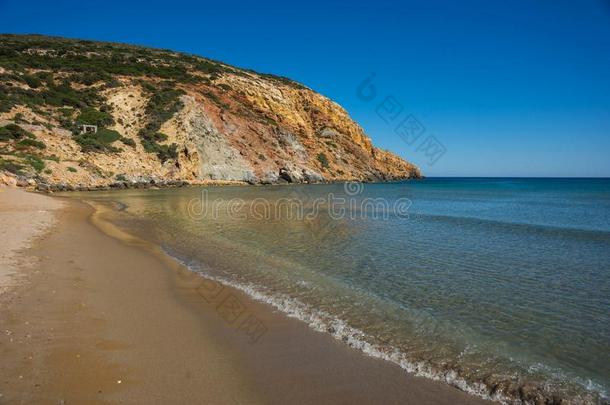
(104, 320)
(30, 184)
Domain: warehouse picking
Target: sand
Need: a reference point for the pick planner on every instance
(101, 317)
(23, 217)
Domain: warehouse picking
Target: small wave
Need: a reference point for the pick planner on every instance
(324, 322)
(503, 389)
(553, 230)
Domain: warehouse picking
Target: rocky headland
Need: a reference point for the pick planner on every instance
(82, 115)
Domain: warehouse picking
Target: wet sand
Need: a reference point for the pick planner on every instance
(110, 319)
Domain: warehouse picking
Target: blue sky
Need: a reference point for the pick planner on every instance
(509, 88)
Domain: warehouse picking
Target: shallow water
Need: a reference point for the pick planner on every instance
(482, 283)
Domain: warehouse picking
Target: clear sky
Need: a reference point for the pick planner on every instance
(509, 88)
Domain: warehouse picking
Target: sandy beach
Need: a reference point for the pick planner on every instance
(23, 216)
(95, 316)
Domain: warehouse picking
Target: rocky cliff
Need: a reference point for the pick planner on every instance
(168, 118)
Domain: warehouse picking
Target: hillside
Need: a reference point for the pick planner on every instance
(164, 117)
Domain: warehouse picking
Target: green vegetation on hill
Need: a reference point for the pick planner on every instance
(94, 61)
(57, 95)
(35, 161)
(135, 97)
(30, 143)
(91, 116)
(323, 160)
(20, 146)
(11, 166)
(13, 131)
(64, 81)
(98, 142)
(163, 104)
(32, 64)
(88, 58)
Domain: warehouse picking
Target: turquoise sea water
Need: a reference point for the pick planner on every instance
(498, 286)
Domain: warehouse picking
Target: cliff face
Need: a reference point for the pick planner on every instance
(169, 117)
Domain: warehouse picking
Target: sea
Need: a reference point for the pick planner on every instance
(498, 286)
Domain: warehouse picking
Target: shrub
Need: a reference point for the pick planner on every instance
(98, 142)
(91, 116)
(34, 161)
(163, 152)
(323, 160)
(46, 77)
(63, 94)
(161, 107)
(88, 143)
(66, 112)
(13, 131)
(30, 143)
(167, 152)
(11, 166)
(32, 81)
(216, 100)
(71, 169)
(284, 80)
(158, 137)
(267, 120)
(107, 136)
(128, 141)
(205, 66)
(19, 119)
(146, 86)
(91, 77)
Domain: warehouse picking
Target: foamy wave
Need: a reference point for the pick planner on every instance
(322, 321)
